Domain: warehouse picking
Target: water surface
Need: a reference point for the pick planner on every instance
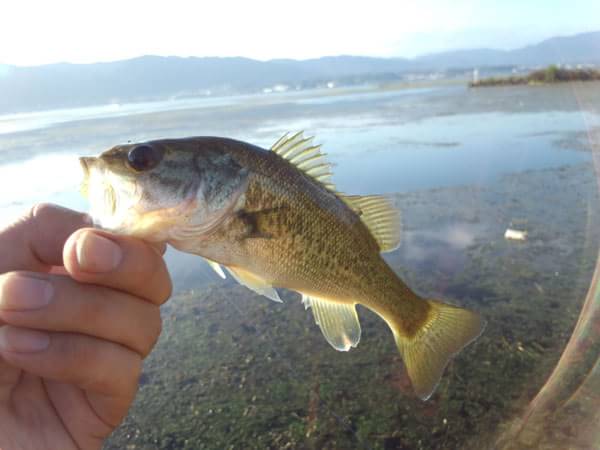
(463, 165)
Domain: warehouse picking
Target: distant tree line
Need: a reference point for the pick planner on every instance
(551, 74)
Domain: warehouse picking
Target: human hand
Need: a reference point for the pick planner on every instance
(79, 310)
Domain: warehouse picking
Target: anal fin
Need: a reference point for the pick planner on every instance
(254, 282)
(338, 321)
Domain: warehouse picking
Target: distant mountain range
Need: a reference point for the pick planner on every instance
(156, 77)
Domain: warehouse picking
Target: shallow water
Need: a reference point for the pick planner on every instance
(381, 141)
(234, 370)
(462, 164)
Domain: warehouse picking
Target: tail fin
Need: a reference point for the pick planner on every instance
(425, 354)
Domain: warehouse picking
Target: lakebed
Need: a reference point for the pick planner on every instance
(233, 370)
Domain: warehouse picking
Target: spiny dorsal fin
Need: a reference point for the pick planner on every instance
(307, 157)
(376, 211)
(380, 216)
(338, 321)
(254, 282)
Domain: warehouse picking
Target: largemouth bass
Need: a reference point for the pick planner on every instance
(273, 219)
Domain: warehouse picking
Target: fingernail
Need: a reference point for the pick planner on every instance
(19, 340)
(97, 254)
(22, 293)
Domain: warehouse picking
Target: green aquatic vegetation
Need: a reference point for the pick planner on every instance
(549, 75)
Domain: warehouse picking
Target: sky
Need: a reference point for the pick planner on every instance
(79, 31)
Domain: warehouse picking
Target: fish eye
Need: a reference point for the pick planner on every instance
(144, 157)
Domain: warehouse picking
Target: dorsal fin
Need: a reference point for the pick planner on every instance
(380, 216)
(307, 157)
(376, 211)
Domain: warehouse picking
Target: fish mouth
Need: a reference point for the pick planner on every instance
(86, 163)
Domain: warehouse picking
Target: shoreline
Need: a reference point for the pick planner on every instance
(543, 77)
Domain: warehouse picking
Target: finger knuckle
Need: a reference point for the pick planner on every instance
(96, 365)
(71, 351)
(168, 288)
(132, 369)
(161, 282)
(152, 326)
(94, 305)
(41, 211)
(156, 327)
(136, 369)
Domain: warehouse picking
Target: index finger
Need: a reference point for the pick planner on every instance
(35, 242)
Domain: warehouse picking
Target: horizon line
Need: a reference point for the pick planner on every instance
(341, 55)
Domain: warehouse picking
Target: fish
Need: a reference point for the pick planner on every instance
(272, 218)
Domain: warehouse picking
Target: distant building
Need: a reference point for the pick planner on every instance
(276, 88)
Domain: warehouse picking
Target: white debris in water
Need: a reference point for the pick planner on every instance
(515, 235)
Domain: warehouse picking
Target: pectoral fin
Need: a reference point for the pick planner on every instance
(216, 267)
(254, 282)
(338, 321)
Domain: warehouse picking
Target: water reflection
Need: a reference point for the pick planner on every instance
(373, 152)
(439, 249)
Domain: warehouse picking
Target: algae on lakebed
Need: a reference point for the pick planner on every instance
(233, 370)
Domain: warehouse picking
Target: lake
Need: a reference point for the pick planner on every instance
(233, 370)
(381, 141)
